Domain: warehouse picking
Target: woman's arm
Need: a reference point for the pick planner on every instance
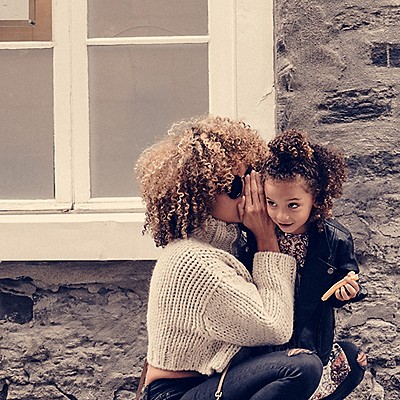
(252, 314)
(254, 214)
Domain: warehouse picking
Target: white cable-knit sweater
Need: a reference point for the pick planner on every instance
(204, 305)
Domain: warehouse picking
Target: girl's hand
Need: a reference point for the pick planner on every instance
(253, 212)
(349, 290)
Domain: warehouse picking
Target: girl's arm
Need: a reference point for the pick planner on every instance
(347, 264)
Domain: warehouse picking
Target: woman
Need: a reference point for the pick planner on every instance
(204, 306)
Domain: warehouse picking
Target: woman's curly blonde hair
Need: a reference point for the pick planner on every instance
(292, 155)
(180, 175)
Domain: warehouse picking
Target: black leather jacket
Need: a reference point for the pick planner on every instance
(330, 256)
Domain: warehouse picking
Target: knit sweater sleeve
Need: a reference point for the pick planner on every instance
(254, 313)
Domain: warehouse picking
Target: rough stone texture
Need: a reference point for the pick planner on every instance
(338, 78)
(72, 330)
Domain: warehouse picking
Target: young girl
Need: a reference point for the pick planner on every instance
(204, 305)
(301, 181)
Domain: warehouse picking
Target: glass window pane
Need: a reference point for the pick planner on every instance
(14, 10)
(26, 115)
(127, 18)
(136, 92)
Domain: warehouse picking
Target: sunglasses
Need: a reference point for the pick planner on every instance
(236, 189)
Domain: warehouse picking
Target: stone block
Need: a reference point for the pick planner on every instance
(345, 106)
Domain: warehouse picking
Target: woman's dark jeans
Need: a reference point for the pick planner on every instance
(355, 376)
(272, 376)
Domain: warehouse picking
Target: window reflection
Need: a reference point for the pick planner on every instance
(139, 18)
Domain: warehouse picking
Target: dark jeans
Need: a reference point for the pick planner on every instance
(272, 376)
(355, 376)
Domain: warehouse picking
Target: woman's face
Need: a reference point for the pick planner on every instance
(227, 209)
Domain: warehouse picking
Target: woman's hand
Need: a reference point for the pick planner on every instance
(254, 216)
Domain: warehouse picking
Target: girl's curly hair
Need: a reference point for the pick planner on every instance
(180, 175)
(323, 169)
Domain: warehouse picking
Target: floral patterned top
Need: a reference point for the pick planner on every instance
(295, 245)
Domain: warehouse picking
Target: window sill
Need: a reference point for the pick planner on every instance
(56, 237)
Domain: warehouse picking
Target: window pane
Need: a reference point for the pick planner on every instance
(14, 9)
(26, 115)
(136, 92)
(127, 18)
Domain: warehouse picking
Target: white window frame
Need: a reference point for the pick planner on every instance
(74, 226)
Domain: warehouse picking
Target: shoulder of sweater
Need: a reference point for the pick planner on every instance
(186, 247)
(187, 251)
(184, 253)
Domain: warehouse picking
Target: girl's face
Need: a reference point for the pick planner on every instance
(289, 204)
(226, 208)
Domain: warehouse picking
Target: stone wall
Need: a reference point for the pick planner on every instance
(72, 330)
(338, 77)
